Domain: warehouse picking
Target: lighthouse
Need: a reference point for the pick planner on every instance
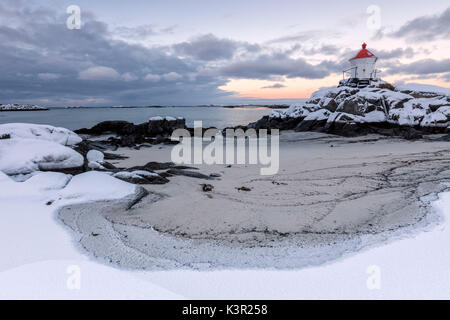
(362, 70)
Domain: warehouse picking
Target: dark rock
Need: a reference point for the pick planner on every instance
(207, 187)
(152, 166)
(109, 166)
(118, 127)
(113, 156)
(215, 175)
(349, 108)
(72, 171)
(129, 134)
(410, 133)
(192, 174)
(243, 189)
(138, 179)
(310, 125)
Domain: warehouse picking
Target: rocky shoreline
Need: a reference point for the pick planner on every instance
(378, 109)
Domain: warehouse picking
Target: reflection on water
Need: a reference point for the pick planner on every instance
(87, 117)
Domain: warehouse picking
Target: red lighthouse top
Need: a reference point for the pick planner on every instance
(364, 53)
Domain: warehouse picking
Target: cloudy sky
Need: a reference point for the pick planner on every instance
(178, 52)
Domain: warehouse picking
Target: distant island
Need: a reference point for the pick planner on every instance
(21, 107)
(274, 106)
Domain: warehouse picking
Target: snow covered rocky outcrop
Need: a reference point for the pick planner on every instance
(26, 148)
(21, 107)
(61, 136)
(406, 110)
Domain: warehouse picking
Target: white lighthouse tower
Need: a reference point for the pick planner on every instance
(362, 70)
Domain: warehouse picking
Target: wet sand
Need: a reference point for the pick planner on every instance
(332, 196)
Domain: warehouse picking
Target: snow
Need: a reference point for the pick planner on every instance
(296, 110)
(167, 118)
(22, 156)
(42, 132)
(374, 116)
(412, 112)
(95, 165)
(324, 91)
(43, 258)
(33, 147)
(40, 259)
(137, 174)
(48, 181)
(439, 118)
(93, 185)
(38, 255)
(145, 173)
(20, 107)
(95, 156)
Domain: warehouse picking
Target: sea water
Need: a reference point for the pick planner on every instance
(77, 118)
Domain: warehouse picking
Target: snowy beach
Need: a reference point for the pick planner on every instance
(281, 236)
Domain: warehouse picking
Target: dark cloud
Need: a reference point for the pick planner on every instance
(274, 86)
(42, 60)
(421, 67)
(426, 28)
(208, 48)
(275, 65)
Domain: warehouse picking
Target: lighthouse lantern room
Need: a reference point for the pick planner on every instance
(362, 70)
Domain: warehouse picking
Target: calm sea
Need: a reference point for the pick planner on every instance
(87, 117)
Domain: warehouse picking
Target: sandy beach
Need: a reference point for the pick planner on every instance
(333, 196)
